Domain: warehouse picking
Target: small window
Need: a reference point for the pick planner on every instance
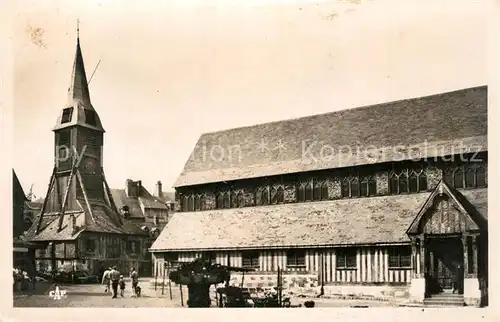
(90, 117)
(172, 257)
(66, 116)
(399, 257)
(132, 247)
(91, 245)
(346, 258)
(296, 258)
(209, 257)
(250, 259)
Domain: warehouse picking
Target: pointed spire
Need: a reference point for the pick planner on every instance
(78, 87)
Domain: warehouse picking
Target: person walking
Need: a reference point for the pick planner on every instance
(106, 280)
(134, 276)
(114, 276)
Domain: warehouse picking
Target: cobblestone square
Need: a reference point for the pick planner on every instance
(93, 295)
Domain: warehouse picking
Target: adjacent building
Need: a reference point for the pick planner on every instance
(150, 212)
(393, 194)
(23, 250)
(79, 221)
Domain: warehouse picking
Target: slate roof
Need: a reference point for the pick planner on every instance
(376, 220)
(79, 97)
(134, 203)
(422, 127)
(101, 223)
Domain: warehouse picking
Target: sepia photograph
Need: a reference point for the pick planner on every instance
(251, 154)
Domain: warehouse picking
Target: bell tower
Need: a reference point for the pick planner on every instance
(78, 182)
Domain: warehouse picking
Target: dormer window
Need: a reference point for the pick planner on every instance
(66, 116)
(90, 117)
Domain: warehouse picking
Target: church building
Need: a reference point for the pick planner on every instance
(79, 220)
(365, 200)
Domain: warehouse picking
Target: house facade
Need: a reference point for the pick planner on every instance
(79, 221)
(389, 195)
(149, 211)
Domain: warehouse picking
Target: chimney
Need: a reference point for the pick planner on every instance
(139, 188)
(158, 192)
(129, 188)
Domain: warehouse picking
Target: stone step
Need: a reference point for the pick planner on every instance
(444, 303)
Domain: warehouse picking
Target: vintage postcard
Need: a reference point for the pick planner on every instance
(251, 154)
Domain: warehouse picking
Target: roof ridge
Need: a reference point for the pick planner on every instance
(479, 87)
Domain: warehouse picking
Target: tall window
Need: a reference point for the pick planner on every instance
(265, 196)
(197, 202)
(468, 175)
(301, 192)
(226, 202)
(355, 185)
(67, 113)
(309, 191)
(191, 203)
(234, 199)
(258, 197)
(346, 258)
(407, 180)
(185, 202)
(399, 257)
(296, 257)
(209, 257)
(320, 190)
(240, 201)
(277, 195)
(219, 200)
(250, 259)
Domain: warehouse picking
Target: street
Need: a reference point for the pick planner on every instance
(93, 295)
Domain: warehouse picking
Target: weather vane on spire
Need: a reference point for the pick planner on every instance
(77, 28)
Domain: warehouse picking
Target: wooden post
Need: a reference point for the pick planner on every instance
(414, 256)
(156, 277)
(466, 255)
(163, 280)
(182, 298)
(279, 287)
(169, 281)
(474, 256)
(422, 256)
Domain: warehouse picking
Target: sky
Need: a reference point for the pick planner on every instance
(170, 71)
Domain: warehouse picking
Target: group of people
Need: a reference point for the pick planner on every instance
(112, 279)
(22, 281)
